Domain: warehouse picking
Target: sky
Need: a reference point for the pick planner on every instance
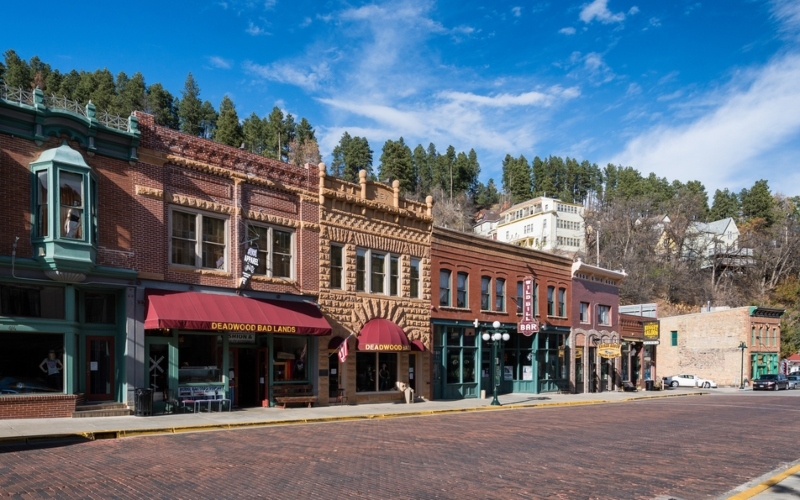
(688, 90)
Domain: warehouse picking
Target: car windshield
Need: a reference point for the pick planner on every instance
(769, 377)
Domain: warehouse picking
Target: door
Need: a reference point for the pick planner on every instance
(100, 369)
(162, 370)
(333, 375)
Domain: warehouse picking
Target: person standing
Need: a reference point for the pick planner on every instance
(52, 367)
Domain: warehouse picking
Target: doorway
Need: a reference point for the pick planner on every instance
(333, 375)
(245, 388)
(100, 369)
(412, 368)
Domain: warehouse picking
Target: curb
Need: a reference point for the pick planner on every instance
(42, 440)
(765, 485)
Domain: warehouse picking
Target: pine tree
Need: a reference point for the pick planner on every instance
(69, 85)
(275, 135)
(208, 120)
(339, 157)
(396, 164)
(423, 169)
(758, 203)
(130, 93)
(517, 171)
(190, 108)
(39, 73)
(53, 81)
(305, 132)
(253, 132)
(228, 130)
(359, 157)
(486, 196)
(17, 73)
(161, 104)
(725, 204)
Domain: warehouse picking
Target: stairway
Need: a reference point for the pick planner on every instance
(105, 409)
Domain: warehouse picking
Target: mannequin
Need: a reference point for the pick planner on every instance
(52, 367)
(72, 223)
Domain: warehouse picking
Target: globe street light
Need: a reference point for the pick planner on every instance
(742, 346)
(496, 336)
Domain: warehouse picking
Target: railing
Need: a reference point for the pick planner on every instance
(16, 95)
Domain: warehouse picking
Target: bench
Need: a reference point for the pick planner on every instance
(628, 386)
(563, 386)
(292, 393)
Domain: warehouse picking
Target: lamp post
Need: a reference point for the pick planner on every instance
(742, 346)
(496, 336)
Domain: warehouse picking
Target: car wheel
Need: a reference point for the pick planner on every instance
(674, 383)
(775, 387)
(707, 385)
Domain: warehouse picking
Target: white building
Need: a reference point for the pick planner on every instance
(543, 223)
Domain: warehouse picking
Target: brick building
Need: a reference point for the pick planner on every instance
(476, 281)
(597, 355)
(707, 344)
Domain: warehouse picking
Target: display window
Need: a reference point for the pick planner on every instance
(200, 362)
(290, 359)
(31, 363)
(461, 353)
(376, 371)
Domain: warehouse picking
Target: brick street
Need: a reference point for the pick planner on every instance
(688, 447)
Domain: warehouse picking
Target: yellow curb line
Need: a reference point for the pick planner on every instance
(769, 483)
(115, 434)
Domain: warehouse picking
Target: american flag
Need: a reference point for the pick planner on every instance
(343, 350)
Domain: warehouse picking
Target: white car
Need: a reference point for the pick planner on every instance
(688, 381)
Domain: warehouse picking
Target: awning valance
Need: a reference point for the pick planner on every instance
(384, 336)
(233, 313)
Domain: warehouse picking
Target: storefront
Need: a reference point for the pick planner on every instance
(240, 346)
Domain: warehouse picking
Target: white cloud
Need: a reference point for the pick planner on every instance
(254, 30)
(290, 73)
(787, 13)
(634, 89)
(306, 22)
(269, 4)
(633, 11)
(596, 69)
(509, 100)
(219, 62)
(567, 31)
(654, 22)
(599, 10)
(726, 145)
(517, 11)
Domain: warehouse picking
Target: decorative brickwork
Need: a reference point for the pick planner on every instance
(44, 406)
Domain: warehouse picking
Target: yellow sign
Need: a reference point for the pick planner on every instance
(578, 352)
(386, 347)
(651, 330)
(609, 350)
(250, 327)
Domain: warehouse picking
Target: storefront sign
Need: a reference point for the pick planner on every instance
(578, 352)
(249, 264)
(385, 347)
(242, 338)
(609, 350)
(651, 330)
(251, 327)
(528, 325)
(651, 342)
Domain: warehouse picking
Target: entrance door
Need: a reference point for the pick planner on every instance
(594, 381)
(161, 363)
(100, 369)
(412, 371)
(579, 385)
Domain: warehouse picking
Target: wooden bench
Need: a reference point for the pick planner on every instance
(292, 393)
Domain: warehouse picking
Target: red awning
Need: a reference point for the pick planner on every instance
(232, 313)
(382, 335)
(417, 345)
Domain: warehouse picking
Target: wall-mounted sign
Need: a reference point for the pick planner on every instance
(385, 347)
(651, 330)
(528, 325)
(609, 350)
(249, 264)
(651, 342)
(251, 327)
(242, 338)
(578, 352)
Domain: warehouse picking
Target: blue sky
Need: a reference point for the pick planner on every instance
(690, 90)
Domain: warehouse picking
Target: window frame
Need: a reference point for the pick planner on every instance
(584, 313)
(551, 307)
(486, 293)
(462, 292)
(601, 309)
(561, 298)
(445, 301)
(415, 291)
(199, 241)
(500, 294)
(269, 255)
(366, 273)
(519, 296)
(340, 268)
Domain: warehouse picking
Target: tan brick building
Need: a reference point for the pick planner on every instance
(707, 344)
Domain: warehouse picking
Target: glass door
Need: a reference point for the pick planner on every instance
(100, 369)
(161, 364)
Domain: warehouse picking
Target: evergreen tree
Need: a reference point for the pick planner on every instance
(518, 173)
(486, 196)
(208, 120)
(161, 104)
(305, 132)
(276, 136)
(253, 132)
(104, 94)
(39, 73)
(190, 108)
(419, 157)
(130, 93)
(541, 180)
(725, 204)
(17, 73)
(2, 71)
(445, 166)
(69, 85)
(757, 202)
(228, 130)
(396, 164)
(52, 82)
(339, 157)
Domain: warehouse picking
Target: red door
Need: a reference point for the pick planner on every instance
(100, 369)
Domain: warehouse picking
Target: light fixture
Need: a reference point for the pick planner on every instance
(495, 336)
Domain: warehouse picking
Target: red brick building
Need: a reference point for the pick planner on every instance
(475, 282)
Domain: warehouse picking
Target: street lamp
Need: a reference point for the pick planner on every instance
(742, 346)
(496, 336)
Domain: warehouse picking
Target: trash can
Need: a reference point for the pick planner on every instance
(143, 398)
(649, 385)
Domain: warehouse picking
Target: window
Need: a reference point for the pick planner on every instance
(499, 294)
(535, 298)
(377, 272)
(32, 362)
(461, 354)
(337, 267)
(32, 301)
(361, 270)
(394, 275)
(461, 290)
(376, 371)
(100, 308)
(562, 302)
(519, 297)
(290, 358)
(42, 213)
(414, 279)
(674, 338)
(444, 287)
(486, 287)
(603, 315)
(551, 307)
(274, 252)
(553, 357)
(584, 312)
(208, 250)
(199, 359)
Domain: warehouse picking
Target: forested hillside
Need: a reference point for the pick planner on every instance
(626, 210)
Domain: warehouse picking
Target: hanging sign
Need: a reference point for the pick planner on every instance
(528, 325)
(609, 350)
(249, 264)
(651, 330)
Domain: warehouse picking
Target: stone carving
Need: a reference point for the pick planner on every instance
(148, 192)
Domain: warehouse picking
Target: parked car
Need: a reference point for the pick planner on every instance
(794, 380)
(688, 381)
(771, 382)
(19, 385)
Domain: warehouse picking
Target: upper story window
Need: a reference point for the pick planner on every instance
(535, 298)
(275, 251)
(198, 239)
(551, 306)
(444, 287)
(413, 277)
(584, 313)
(486, 293)
(519, 297)
(337, 267)
(377, 272)
(562, 302)
(603, 315)
(499, 294)
(461, 290)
